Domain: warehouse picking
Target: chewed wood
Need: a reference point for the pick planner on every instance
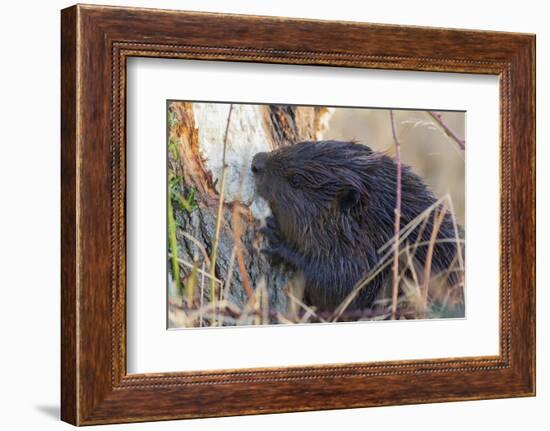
(96, 42)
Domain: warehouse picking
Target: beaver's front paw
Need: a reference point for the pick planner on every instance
(276, 248)
(274, 255)
(271, 231)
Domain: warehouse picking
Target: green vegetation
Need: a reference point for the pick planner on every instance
(173, 244)
(172, 120)
(173, 147)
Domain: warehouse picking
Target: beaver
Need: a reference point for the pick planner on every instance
(333, 208)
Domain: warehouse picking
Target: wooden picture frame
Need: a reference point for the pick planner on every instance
(95, 43)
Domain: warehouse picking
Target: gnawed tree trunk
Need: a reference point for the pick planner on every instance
(195, 157)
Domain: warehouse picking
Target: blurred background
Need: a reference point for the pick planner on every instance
(425, 146)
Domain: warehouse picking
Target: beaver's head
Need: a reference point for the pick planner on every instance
(313, 183)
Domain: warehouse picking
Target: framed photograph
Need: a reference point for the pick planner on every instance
(266, 215)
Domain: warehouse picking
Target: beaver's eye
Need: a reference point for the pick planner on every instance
(294, 181)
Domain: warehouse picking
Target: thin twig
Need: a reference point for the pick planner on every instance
(224, 291)
(219, 218)
(241, 266)
(410, 264)
(309, 311)
(237, 237)
(412, 225)
(382, 264)
(227, 283)
(438, 220)
(190, 265)
(448, 131)
(173, 244)
(191, 283)
(199, 246)
(265, 304)
(201, 302)
(457, 233)
(450, 270)
(395, 286)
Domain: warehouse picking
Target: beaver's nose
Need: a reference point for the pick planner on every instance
(258, 163)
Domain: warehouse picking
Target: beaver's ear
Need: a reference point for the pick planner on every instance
(348, 198)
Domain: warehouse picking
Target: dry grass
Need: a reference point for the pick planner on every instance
(423, 294)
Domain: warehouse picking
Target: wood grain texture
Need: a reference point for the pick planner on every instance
(69, 397)
(96, 41)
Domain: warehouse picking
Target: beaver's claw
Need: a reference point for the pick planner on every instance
(275, 250)
(273, 254)
(271, 222)
(271, 231)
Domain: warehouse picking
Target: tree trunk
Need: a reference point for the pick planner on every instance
(197, 133)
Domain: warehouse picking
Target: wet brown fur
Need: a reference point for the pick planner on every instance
(333, 208)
